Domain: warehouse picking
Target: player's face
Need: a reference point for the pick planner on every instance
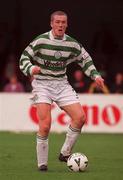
(59, 25)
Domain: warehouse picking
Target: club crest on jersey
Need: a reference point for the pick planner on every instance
(58, 55)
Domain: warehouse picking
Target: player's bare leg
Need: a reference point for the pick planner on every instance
(44, 115)
(77, 115)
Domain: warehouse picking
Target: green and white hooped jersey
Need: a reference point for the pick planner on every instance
(53, 56)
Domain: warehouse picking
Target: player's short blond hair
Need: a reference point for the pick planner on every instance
(60, 13)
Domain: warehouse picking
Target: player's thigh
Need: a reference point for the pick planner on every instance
(75, 111)
(44, 112)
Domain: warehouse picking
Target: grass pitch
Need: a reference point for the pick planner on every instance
(18, 157)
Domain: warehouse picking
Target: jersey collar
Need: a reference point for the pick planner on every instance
(58, 40)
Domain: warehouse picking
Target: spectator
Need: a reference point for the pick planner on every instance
(79, 83)
(11, 66)
(117, 86)
(4, 50)
(14, 85)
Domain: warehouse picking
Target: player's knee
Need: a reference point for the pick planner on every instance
(45, 128)
(83, 119)
(80, 121)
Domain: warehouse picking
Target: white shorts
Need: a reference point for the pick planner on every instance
(49, 91)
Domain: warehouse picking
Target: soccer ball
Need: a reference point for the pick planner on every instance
(77, 162)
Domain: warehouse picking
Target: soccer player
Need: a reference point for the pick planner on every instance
(46, 59)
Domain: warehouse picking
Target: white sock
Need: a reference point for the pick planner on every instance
(42, 150)
(71, 137)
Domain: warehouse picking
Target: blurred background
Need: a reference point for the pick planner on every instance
(97, 25)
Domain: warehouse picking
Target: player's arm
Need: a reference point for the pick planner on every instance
(26, 60)
(86, 62)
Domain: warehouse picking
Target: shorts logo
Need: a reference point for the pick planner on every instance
(58, 55)
(34, 98)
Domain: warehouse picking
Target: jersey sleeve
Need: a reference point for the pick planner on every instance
(26, 59)
(86, 62)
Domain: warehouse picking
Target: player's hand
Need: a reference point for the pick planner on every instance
(99, 82)
(36, 70)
